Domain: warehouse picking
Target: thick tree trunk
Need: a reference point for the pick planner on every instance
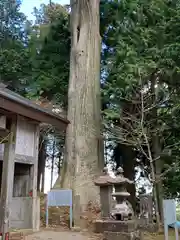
(83, 143)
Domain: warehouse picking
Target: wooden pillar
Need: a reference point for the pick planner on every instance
(34, 173)
(8, 178)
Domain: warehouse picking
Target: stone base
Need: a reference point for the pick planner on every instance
(151, 228)
(17, 236)
(115, 226)
(136, 235)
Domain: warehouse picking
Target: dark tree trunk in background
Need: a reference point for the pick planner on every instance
(52, 162)
(125, 152)
(59, 163)
(156, 148)
(158, 170)
(41, 164)
(125, 157)
(129, 172)
(43, 181)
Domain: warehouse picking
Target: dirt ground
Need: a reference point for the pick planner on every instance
(65, 235)
(160, 236)
(48, 235)
(68, 235)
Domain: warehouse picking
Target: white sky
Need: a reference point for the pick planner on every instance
(27, 8)
(28, 5)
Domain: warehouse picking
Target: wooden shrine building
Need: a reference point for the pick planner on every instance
(19, 136)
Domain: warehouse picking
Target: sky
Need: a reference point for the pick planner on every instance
(27, 8)
(28, 5)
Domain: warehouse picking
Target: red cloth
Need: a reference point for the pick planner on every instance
(31, 193)
(7, 236)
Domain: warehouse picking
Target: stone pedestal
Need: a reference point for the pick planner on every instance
(102, 226)
(105, 193)
(123, 210)
(120, 223)
(106, 200)
(146, 209)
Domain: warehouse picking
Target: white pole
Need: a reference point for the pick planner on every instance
(176, 233)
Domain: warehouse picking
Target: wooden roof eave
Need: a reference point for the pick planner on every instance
(35, 114)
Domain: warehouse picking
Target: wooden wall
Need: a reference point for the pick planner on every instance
(25, 140)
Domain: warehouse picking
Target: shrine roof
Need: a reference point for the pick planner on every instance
(14, 103)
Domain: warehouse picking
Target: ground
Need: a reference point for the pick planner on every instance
(159, 236)
(48, 235)
(68, 235)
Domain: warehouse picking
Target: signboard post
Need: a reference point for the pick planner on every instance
(169, 209)
(58, 198)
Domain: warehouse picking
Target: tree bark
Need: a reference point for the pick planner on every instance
(41, 163)
(158, 169)
(83, 142)
(129, 172)
(155, 166)
(52, 162)
(156, 149)
(43, 166)
(43, 181)
(124, 155)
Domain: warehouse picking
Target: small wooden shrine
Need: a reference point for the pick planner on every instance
(19, 136)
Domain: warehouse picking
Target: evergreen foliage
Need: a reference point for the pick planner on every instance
(140, 49)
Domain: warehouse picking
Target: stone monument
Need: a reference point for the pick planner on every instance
(146, 214)
(121, 224)
(105, 193)
(123, 209)
(146, 209)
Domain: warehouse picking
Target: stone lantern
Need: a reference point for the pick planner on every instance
(122, 224)
(105, 193)
(123, 210)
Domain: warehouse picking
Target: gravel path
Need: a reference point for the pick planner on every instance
(51, 235)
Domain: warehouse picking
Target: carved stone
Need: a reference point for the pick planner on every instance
(123, 209)
(146, 209)
(121, 225)
(122, 235)
(115, 226)
(105, 193)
